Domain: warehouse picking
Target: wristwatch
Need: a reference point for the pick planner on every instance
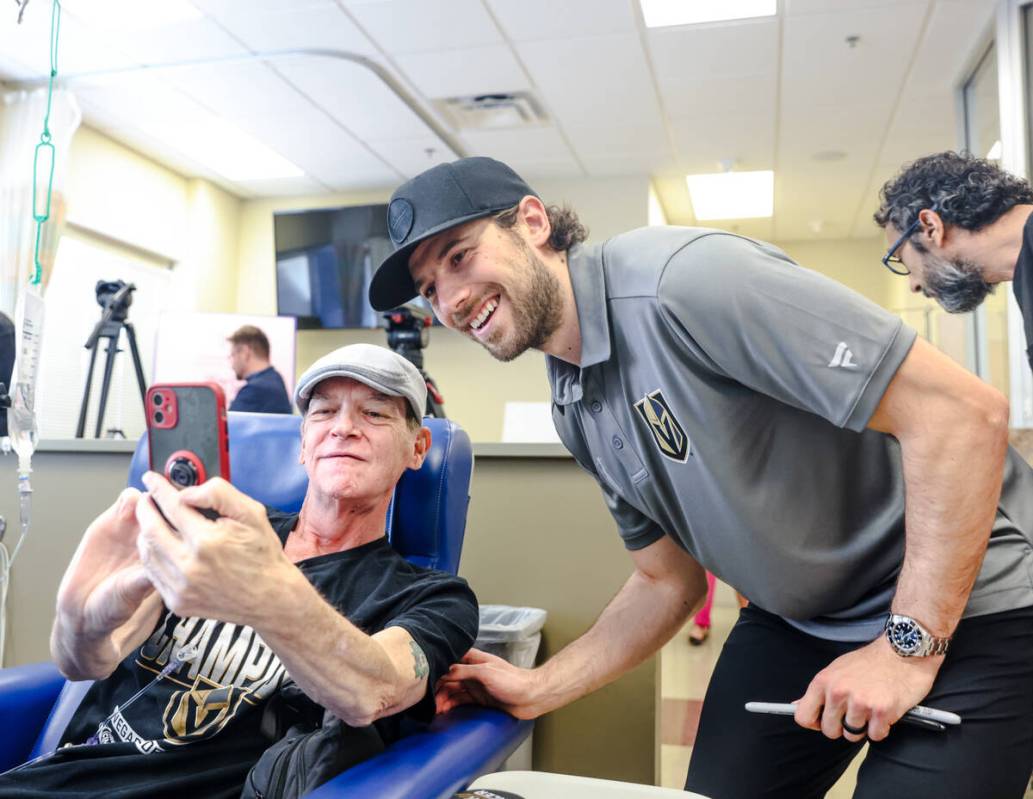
(910, 639)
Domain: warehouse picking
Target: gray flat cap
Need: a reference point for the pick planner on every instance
(377, 367)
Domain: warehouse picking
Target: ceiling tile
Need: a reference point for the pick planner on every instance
(530, 151)
(413, 26)
(598, 166)
(283, 187)
(323, 150)
(538, 20)
(544, 142)
(715, 51)
(241, 7)
(852, 128)
(688, 97)
(743, 138)
(921, 125)
(448, 74)
(356, 97)
(795, 8)
(955, 32)
(619, 140)
(411, 156)
(80, 48)
(240, 91)
(820, 68)
(184, 41)
(318, 24)
(593, 80)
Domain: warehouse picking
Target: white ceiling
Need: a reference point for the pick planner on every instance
(620, 99)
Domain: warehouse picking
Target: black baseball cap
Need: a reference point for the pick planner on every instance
(440, 198)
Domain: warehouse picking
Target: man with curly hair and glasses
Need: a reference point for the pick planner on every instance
(956, 226)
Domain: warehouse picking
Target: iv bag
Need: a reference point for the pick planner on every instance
(21, 418)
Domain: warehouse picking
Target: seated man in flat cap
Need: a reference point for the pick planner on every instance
(316, 601)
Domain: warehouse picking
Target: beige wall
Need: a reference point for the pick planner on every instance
(126, 197)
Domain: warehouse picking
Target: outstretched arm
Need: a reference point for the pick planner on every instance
(666, 587)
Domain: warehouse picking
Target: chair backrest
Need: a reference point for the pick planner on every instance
(426, 520)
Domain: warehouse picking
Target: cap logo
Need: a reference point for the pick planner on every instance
(400, 217)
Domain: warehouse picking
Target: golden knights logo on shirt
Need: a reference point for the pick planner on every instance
(233, 673)
(668, 434)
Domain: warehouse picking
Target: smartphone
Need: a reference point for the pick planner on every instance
(187, 433)
(928, 717)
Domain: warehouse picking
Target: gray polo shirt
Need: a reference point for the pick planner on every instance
(723, 399)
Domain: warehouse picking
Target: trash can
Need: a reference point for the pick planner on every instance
(514, 635)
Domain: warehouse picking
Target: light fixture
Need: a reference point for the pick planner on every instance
(663, 13)
(995, 151)
(732, 195)
(132, 15)
(226, 149)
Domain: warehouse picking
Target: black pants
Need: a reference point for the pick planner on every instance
(987, 679)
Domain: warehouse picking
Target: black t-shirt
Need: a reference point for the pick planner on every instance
(1022, 285)
(197, 731)
(264, 392)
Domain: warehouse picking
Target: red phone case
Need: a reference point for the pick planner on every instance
(186, 422)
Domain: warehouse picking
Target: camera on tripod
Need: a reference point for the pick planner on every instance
(408, 334)
(115, 296)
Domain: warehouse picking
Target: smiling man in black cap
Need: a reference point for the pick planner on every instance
(749, 416)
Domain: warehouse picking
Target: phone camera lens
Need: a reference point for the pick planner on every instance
(158, 399)
(183, 473)
(159, 417)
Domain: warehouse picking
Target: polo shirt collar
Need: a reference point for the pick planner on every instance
(589, 285)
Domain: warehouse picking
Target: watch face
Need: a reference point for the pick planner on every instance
(905, 636)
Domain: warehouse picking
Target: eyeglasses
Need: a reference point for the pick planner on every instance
(890, 260)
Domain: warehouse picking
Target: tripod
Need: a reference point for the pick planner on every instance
(115, 298)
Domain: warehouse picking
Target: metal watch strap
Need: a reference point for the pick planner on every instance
(931, 645)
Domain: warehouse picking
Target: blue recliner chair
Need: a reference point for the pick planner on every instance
(426, 523)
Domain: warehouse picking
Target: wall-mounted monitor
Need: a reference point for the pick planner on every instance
(325, 259)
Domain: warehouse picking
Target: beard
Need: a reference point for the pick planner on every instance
(536, 307)
(956, 284)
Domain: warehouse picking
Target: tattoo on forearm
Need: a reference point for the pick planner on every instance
(419, 661)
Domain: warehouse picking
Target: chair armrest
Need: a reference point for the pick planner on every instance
(458, 747)
(27, 694)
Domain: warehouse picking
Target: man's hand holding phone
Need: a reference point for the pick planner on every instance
(221, 569)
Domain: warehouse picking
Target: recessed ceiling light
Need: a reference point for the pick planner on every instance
(732, 195)
(829, 155)
(663, 13)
